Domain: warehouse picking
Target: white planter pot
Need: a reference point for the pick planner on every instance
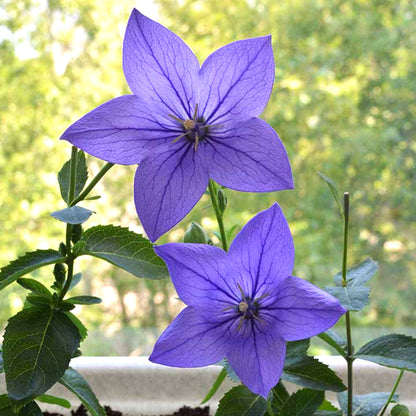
(138, 387)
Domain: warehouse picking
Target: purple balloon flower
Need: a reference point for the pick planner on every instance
(243, 305)
(186, 123)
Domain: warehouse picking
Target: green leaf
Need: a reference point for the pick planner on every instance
(400, 410)
(75, 280)
(240, 401)
(84, 300)
(351, 298)
(79, 248)
(28, 263)
(334, 191)
(230, 371)
(34, 286)
(394, 350)
(359, 274)
(72, 215)
(217, 383)
(1, 362)
(326, 405)
(33, 340)
(296, 351)
(92, 198)
(64, 177)
(278, 396)
(313, 374)
(31, 409)
(75, 383)
(328, 413)
(302, 403)
(39, 300)
(125, 249)
(59, 401)
(5, 406)
(366, 405)
(65, 306)
(335, 341)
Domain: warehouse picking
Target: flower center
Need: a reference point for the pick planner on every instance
(243, 306)
(195, 129)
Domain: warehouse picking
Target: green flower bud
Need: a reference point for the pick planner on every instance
(222, 200)
(59, 272)
(76, 233)
(195, 234)
(62, 249)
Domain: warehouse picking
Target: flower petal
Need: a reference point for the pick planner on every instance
(123, 130)
(249, 156)
(159, 67)
(167, 186)
(264, 249)
(199, 274)
(303, 310)
(190, 341)
(237, 80)
(258, 359)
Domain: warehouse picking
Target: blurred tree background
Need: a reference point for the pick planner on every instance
(343, 104)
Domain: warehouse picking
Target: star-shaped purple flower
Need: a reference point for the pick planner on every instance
(186, 123)
(242, 305)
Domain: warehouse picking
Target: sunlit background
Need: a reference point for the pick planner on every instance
(343, 104)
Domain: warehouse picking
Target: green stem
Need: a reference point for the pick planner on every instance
(396, 384)
(70, 259)
(91, 185)
(349, 358)
(213, 193)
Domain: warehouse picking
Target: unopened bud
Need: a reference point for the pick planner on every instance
(222, 200)
(62, 249)
(195, 234)
(76, 233)
(59, 272)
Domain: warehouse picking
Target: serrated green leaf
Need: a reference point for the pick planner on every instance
(28, 263)
(334, 191)
(125, 249)
(75, 383)
(394, 350)
(59, 401)
(1, 362)
(302, 403)
(278, 396)
(72, 215)
(217, 384)
(84, 300)
(351, 298)
(64, 177)
(400, 410)
(240, 401)
(33, 339)
(365, 405)
(34, 286)
(296, 351)
(326, 405)
(335, 341)
(359, 274)
(311, 373)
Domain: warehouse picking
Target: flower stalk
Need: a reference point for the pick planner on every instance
(396, 385)
(349, 357)
(219, 215)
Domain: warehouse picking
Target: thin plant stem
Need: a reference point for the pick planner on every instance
(70, 258)
(91, 185)
(349, 357)
(213, 193)
(396, 384)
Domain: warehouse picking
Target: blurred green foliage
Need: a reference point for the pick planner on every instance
(343, 104)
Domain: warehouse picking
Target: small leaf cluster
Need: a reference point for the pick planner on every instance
(40, 340)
